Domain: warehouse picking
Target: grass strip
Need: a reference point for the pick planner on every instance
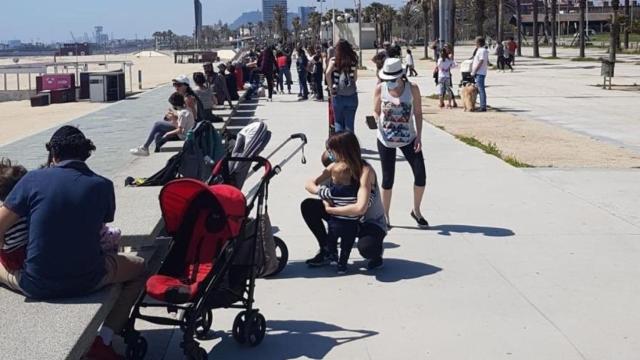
(492, 149)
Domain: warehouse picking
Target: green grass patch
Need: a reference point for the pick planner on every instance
(492, 149)
(551, 57)
(441, 127)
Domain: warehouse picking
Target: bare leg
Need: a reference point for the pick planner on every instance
(418, 194)
(386, 202)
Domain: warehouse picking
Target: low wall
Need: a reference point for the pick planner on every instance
(16, 95)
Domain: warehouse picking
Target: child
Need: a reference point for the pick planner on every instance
(444, 76)
(342, 191)
(12, 252)
(14, 249)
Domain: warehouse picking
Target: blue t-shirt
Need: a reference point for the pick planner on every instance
(66, 206)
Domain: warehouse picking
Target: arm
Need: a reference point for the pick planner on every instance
(7, 219)
(377, 101)
(313, 185)
(362, 203)
(417, 111)
(328, 75)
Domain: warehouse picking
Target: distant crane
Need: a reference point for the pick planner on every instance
(73, 37)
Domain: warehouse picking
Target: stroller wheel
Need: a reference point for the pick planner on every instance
(238, 329)
(255, 328)
(282, 253)
(138, 349)
(198, 354)
(203, 325)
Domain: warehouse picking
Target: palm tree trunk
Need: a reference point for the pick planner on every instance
(614, 39)
(480, 17)
(435, 25)
(554, 30)
(452, 23)
(425, 14)
(500, 20)
(627, 26)
(547, 33)
(536, 49)
(583, 6)
(519, 27)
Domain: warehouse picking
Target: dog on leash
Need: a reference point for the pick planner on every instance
(469, 94)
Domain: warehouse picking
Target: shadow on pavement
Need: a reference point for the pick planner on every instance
(447, 229)
(394, 270)
(291, 339)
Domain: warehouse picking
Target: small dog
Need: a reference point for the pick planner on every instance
(469, 94)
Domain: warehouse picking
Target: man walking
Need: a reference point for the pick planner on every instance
(479, 71)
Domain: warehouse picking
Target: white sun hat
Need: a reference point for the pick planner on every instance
(391, 70)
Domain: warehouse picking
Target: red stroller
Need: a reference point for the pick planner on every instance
(213, 262)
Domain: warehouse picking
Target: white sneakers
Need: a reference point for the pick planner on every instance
(139, 151)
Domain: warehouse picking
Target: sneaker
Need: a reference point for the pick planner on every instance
(333, 259)
(375, 264)
(140, 151)
(100, 351)
(342, 268)
(321, 259)
(422, 222)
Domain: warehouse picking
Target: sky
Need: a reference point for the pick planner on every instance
(53, 20)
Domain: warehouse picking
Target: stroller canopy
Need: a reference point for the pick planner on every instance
(251, 140)
(177, 196)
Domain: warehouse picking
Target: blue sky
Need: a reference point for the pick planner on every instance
(52, 20)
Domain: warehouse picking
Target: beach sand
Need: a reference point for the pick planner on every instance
(18, 119)
(529, 141)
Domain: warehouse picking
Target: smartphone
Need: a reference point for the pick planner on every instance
(371, 122)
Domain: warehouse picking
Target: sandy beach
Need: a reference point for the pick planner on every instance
(18, 119)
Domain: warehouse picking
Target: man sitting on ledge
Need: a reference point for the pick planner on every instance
(66, 206)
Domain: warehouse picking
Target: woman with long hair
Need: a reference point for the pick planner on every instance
(205, 95)
(341, 76)
(344, 147)
(398, 109)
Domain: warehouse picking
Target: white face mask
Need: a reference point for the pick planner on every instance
(393, 84)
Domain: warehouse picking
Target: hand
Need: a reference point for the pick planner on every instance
(417, 145)
(473, 74)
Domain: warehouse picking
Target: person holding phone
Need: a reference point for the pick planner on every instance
(398, 109)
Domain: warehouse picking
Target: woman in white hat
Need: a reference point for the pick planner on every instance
(398, 109)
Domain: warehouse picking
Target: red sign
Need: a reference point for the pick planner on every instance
(56, 81)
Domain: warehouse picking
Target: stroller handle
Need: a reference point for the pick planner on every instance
(300, 136)
(261, 162)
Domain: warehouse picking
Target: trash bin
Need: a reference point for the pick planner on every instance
(607, 68)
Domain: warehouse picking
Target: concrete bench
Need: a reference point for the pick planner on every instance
(65, 328)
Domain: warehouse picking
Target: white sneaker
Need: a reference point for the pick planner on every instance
(139, 151)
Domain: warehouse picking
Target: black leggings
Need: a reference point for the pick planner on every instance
(388, 160)
(370, 236)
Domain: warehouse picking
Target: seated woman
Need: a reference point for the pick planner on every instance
(344, 147)
(177, 122)
(205, 94)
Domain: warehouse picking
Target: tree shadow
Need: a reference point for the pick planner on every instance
(447, 229)
(291, 339)
(394, 270)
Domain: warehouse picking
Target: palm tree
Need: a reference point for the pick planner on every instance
(480, 17)
(386, 19)
(315, 20)
(279, 15)
(425, 17)
(536, 48)
(297, 25)
(554, 30)
(519, 27)
(614, 39)
(500, 33)
(627, 23)
(583, 6)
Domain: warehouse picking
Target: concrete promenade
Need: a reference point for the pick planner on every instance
(519, 264)
(516, 266)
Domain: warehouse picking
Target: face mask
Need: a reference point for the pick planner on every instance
(393, 84)
(331, 157)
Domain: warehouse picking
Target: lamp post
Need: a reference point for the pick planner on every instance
(360, 33)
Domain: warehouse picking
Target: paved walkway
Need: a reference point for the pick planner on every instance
(515, 267)
(114, 130)
(563, 93)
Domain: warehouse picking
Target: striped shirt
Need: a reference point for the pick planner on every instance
(340, 195)
(350, 80)
(16, 236)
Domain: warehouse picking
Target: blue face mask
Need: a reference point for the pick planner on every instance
(331, 157)
(393, 84)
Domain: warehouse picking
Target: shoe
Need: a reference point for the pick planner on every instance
(375, 264)
(333, 259)
(422, 222)
(140, 151)
(100, 351)
(482, 110)
(342, 268)
(321, 259)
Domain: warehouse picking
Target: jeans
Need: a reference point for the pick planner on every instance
(284, 73)
(344, 110)
(302, 81)
(481, 91)
(370, 236)
(157, 132)
(346, 231)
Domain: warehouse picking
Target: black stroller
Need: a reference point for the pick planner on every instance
(465, 73)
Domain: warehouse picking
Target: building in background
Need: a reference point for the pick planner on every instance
(303, 13)
(197, 7)
(100, 38)
(267, 9)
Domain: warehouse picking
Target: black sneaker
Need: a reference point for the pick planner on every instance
(333, 258)
(342, 268)
(321, 259)
(375, 264)
(422, 222)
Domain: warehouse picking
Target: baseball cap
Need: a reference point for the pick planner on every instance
(181, 79)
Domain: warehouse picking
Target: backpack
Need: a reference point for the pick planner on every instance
(346, 85)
